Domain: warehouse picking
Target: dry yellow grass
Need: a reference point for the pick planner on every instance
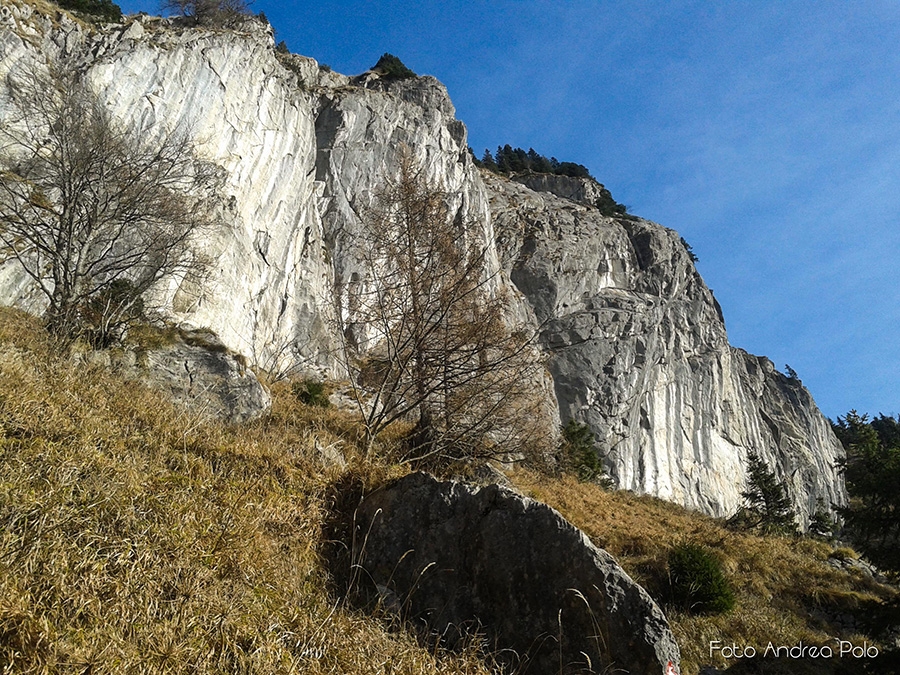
(135, 539)
(785, 591)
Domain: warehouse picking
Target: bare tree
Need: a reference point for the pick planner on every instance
(425, 335)
(93, 211)
(209, 12)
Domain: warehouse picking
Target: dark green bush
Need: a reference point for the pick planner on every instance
(696, 580)
(580, 453)
(311, 392)
(391, 67)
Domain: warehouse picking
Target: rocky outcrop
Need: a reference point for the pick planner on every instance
(639, 352)
(197, 371)
(582, 190)
(636, 342)
(456, 560)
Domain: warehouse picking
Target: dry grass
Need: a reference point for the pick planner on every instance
(785, 591)
(134, 538)
(50, 10)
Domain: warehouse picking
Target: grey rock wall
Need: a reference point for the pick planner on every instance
(639, 352)
(637, 345)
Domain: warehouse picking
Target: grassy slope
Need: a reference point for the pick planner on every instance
(786, 593)
(135, 538)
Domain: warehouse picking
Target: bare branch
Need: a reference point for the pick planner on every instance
(93, 212)
(430, 342)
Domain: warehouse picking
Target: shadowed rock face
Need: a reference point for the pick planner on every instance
(453, 559)
(636, 342)
(207, 379)
(197, 372)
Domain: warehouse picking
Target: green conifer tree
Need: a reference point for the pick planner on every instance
(767, 506)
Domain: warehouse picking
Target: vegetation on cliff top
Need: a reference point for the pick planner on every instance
(97, 10)
(391, 67)
(509, 160)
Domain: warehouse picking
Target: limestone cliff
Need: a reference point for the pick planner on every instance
(637, 342)
(639, 352)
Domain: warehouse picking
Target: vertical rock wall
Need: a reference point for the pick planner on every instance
(639, 352)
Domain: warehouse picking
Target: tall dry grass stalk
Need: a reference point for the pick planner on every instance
(786, 592)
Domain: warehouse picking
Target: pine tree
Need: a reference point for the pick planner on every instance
(767, 506)
(487, 161)
(872, 472)
(579, 448)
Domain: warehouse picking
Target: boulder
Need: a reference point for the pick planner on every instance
(195, 370)
(208, 379)
(458, 560)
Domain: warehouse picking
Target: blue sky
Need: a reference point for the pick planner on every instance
(766, 133)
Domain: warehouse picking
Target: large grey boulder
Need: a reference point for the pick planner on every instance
(197, 371)
(456, 559)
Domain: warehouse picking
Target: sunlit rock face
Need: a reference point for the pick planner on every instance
(636, 342)
(639, 352)
(303, 152)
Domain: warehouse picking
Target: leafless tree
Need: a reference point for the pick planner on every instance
(209, 12)
(425, 333)
(95, 212)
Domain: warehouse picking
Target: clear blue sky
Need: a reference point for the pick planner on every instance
(767, 133)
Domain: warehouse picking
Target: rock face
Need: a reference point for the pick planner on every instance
(197, 371)
(204, 376)
(454, 558)
(637, 345)
(639, 352)
(582, 190)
